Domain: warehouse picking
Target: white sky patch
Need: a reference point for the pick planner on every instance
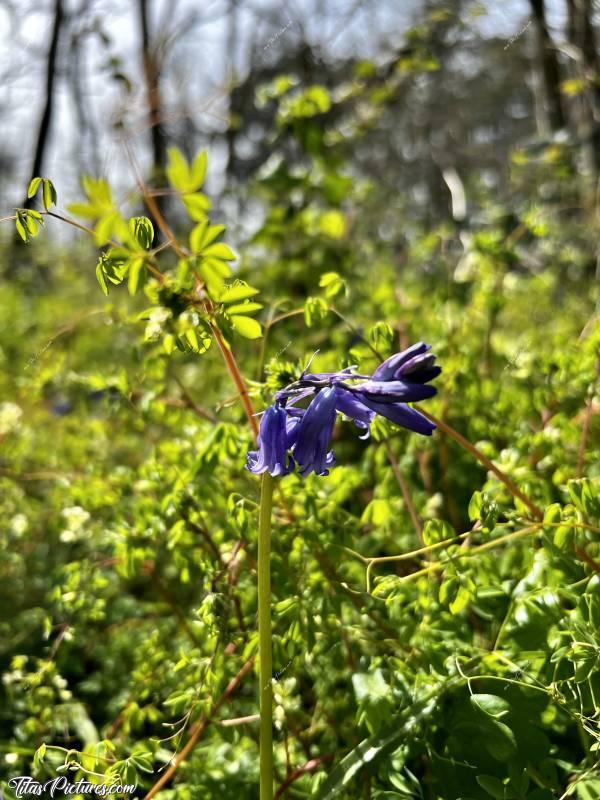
(200, 66)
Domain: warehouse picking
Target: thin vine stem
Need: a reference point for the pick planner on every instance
(436, 566)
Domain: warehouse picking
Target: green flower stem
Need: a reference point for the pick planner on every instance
(265, 671)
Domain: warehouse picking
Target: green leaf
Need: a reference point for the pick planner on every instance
(49, 196)
(564, 536)
(308, 103)
(244, 308)
(86, 210)
(101, 277)
(585, 660)
(177, 170)
(437, 530)
(194, 340)
(483, 509)
(180, 175)
(136, 269)
(315, 309)
(553, 514)
(83, 725)
(197, 235)
(27, 222)
(199, 166)
(169, 343)
(475, 506)
(448, 590)
(30, 224)
(493, 786)
(21, 229)
(332, 283)
(221, 251)
(142, 231)
(39, 755)
(237, 292)
(369, 685)
(247, 327)
(98, 191)
(377, 512)
(461, 600)
(33, 187)
(197, 205)
(213, 272)
(585, 495)
(202, 235)
(370, 750)
(381, 334)
(490, 704)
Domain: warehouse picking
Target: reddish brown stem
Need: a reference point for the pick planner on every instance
(311, 765)
(228, 356)
(408, 501)
(502, 476)
(199, 729)
(237, 378)
(586, 557)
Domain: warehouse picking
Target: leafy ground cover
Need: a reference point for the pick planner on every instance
(436, 601)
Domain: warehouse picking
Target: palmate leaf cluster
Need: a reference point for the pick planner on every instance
(469, 669)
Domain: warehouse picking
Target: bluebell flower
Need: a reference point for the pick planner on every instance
(414, 365)
(276, 435)
(290, 434)
(311, 450)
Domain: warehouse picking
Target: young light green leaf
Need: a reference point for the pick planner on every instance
(197, 205)
(101, 277)
(199, 165)
(198, 234)
(143, 231)
(221, 251)
(202, 235)
(247, 327)
(244, 308)
(20, 226)
(136, 270)
(237, 292)
(332, 283)
(49, 196)
(177, 169)
(33, 187)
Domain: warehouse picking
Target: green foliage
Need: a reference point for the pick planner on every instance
(28, 223)
(450, 650)
(49, 196)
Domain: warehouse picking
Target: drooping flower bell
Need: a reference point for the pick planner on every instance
(291, 435)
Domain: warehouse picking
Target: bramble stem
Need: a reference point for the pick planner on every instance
(237, 378)
(502, 476)
(265, 671)
(408, 501)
